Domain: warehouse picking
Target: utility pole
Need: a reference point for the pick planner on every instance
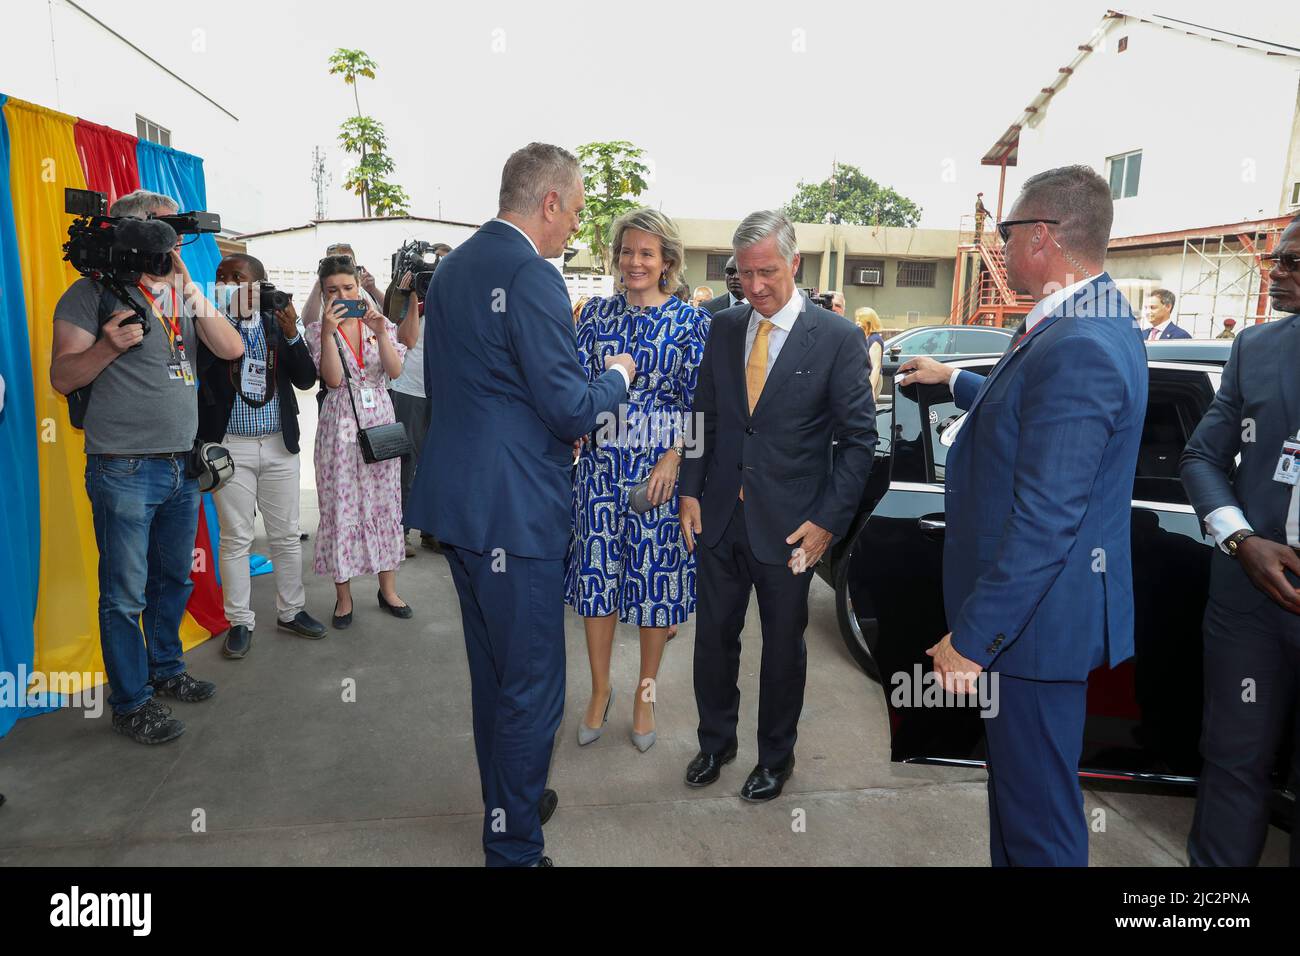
(321, 177)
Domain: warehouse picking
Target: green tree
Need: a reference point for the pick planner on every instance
(851, 197)
(613, 176)
(364, 136)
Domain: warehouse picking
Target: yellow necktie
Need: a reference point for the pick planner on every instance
(756, 368)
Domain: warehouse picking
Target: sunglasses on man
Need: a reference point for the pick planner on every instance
(1004, 227)
(1289, 261)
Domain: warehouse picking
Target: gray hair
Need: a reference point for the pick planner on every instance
(1080, 198)
(139, 204)
(757, 226)
(532, 172)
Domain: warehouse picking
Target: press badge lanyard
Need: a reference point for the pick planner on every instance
(367, 393)
(256, 384)
(179, 369)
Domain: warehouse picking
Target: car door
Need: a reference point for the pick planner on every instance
(1141, 720)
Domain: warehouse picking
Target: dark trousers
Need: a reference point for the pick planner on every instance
(1035, 804)
(726, 574)
(512, 609)
(1252, 671)
(413, 413)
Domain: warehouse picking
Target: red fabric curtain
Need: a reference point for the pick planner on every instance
(108, 158)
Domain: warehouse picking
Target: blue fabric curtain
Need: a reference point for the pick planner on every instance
(180, 175)
(20, 541)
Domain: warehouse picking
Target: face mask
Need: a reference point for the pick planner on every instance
(224, 295)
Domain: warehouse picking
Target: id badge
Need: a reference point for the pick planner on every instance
(253, 377)
(174, 372)
(368, 398)
(187, 372)
(1288, 463)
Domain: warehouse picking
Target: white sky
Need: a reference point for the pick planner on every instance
(730, 114)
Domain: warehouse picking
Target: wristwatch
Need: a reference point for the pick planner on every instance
(1233, 541)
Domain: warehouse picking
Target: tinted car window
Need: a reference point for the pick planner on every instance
(1176, 400)
(974, 341)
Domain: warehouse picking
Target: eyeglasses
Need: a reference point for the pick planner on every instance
(1004, 227)
(1289, 261)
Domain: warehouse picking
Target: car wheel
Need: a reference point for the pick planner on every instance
(859, 633)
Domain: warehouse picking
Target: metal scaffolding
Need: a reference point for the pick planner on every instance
(1221, 277)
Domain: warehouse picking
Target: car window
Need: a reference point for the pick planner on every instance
(970, 341)
(1176, 400)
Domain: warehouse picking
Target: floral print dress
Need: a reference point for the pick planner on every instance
(360, 528)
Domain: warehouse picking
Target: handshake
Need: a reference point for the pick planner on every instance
(624, 361)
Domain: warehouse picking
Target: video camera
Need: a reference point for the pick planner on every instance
(420, 258)
(822, 299)
(100, 245)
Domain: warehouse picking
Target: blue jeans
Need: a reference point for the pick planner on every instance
(146, 512)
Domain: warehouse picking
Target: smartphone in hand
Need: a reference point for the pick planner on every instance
(354, 308)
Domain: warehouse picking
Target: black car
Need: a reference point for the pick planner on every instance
(941, 341)
(1144, 717)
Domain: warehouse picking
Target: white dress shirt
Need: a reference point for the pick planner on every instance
(783, 322)
(1042, 308)
(734, 301)
(627, 382)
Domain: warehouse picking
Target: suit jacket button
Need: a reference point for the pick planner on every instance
(749, 431)
(740, 467)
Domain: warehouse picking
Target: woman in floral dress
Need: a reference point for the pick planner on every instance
(360, 528)
(621, 565)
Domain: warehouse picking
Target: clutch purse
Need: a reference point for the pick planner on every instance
(378, 442)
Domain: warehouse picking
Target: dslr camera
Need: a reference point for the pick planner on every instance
(420, 258)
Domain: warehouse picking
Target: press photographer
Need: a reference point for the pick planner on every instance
(249, 406)
(125, 342)
(413, 268)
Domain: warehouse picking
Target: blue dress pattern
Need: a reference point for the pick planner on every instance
(620, 562)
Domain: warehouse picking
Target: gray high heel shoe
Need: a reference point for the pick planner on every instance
(589, 735)
(645, 741)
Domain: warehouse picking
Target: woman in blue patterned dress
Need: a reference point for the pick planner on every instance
(625, 566)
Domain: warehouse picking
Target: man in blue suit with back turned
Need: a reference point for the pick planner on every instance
(508, 399)
(1038, 583)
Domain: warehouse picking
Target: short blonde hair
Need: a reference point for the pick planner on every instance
(703, 292)
(670, 242)
(867, 319)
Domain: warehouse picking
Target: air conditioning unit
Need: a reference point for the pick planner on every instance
(869, 277)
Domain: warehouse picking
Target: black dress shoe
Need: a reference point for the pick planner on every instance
(704, 769)
(238, 640)
(550, 800)
(341, 622)
(304, 625)
(403, 611)
(544, 861)
(766, 783)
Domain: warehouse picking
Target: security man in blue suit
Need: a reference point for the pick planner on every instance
(508, 400)
(1038, 583)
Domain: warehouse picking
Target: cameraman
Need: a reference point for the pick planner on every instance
(139, 431)
(249, 406)
(410, 403)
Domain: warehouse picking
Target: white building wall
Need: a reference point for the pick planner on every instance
(57, 57)
(1214, 123)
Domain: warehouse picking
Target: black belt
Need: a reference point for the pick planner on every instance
(156, 454)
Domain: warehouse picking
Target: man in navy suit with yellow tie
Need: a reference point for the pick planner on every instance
(508, 399)
(1037, 574)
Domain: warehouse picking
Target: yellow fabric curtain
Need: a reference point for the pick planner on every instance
(43, 162)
